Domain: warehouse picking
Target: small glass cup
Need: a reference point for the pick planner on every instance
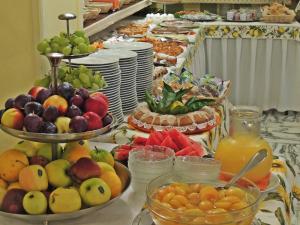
(197, 169)
(148, 162)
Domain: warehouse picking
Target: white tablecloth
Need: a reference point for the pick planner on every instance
(264, 71)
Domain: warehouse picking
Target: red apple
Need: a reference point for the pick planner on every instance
(35, 90)
(13, 118)
(13, 201)
(96, 104)
(84, 168)
(94, 121)
(57, 101)
(100, 95)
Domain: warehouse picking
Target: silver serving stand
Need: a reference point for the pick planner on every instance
(122, 171)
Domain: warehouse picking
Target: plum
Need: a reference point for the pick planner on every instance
(50, 114)
(33, 107)
(79, 124)
(33, 123)
(43, 95)
(84, 93)
(65, 90)
(73, 111)
(21, 100)
(77, 100)
(10, 103)
(106, 120)
(49, 128)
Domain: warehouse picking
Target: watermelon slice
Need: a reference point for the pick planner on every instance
(140, 141)
(194, 153)
(180, 139)
(184, 151)
(168, 142)
(198, 148)
(121, 154)
(154, 139)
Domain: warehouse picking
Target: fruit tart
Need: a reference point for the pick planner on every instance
(171, 111)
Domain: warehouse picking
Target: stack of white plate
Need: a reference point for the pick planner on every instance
(110, 70)
(144, 76)
(128, 66)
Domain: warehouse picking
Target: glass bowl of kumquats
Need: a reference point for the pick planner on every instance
(173, 200)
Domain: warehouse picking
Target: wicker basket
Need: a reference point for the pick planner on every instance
(279, 18)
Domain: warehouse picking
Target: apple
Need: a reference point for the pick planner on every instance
(14, 185)
(113, 181)
(27, 147)
(3, 184)
(63, 124)
(45, 150)
(3, 192)
(64, 200)
(57, 101)
(83, 169)
(57, 173)
(13, 118)
(94, 120)
(13, 201)
(33, 178)
(97, 104)
(94, 191)
(35, 90)
(76, 150)
(35, 203)
(101, 155)
(100, 95)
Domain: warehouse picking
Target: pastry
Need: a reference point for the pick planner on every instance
(133, 29)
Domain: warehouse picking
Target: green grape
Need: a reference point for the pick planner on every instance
(61, 73)
(63, 34)
(42, 46)
(55, 39)
(97, 78)
(67, 50)
(95, 86)
(69, 78)
(91, 48)
(75, 51)
(78, 40)
(44, 82)
(54, 47)
(83, 69)
(76, 83)
(47, 50)
(63, 41)
(83, 48)
(79, 33)
(84, 78)
(91, 76)
(75, 72)
(86, 40)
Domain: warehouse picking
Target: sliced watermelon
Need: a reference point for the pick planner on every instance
(154, 139)
(194, 153)
(128, 147)
(140, 141)
(180, 139)
(184, 151)
(121, 154)
(168, 142)
(198, 148)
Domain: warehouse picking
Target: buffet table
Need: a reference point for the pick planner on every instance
(260, 59)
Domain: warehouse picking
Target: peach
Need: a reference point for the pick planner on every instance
(96, 103)
(57, 101)
(11, 163)
(13, 118)
(35, 90)
(33, 178)
(113, 181)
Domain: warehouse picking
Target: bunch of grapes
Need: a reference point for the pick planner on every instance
(76, 44)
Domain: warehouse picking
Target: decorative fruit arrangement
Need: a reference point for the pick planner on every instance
(179, 142)
(75, 44)
(171, 102)
(30, 182)
(67, 111)
(81, 77)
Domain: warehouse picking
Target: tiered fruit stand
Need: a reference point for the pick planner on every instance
(54, 139)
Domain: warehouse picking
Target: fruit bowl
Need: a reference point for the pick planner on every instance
(122, 172)
(201, 203)
(60, 137)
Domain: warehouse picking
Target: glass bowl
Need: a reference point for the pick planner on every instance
(190, 213)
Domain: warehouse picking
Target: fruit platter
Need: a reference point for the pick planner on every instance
(179, 24)
(170, 110)
(34, 187)
(70, 114)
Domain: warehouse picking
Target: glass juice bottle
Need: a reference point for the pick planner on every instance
(244, 140)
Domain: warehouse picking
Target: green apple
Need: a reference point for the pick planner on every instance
(105, 167)
(62, 123)
(35, 202)
(2, 194)
(45, 150)
(27, 147)
(94, 191)
(101, 155)
(57, 173)
(64, 200)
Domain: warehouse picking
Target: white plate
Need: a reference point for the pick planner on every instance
(96, 61)
(121, 54)
(137, 46)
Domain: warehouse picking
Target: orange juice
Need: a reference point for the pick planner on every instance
(243, 142)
